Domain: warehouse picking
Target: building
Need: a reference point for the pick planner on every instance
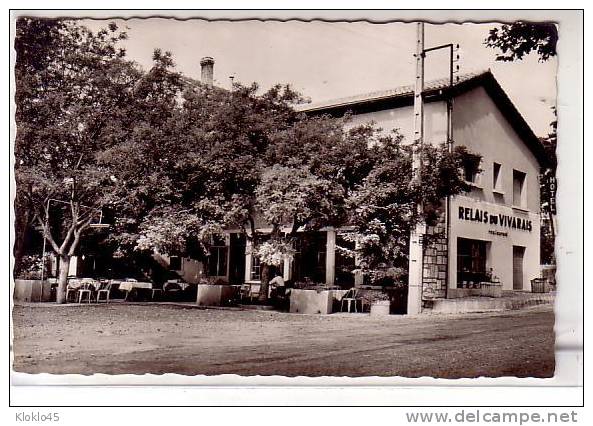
(493, 229)
(496, 227)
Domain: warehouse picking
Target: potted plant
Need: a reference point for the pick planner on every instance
(491, 286)
(381, 304)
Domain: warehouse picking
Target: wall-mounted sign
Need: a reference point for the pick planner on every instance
(483, 216)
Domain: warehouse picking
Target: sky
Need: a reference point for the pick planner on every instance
(328, 60)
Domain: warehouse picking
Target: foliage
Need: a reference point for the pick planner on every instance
(176, 161)
(30, 268)
(521, 38)
(384, 206)
(73, 90)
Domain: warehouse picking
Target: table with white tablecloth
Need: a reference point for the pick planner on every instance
(130, 285)
(131, 288)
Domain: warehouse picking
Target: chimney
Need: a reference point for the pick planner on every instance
(207, 64)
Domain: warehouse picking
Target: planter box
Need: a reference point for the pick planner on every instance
(32, 291)
(313, 301)
(486, 289)
(215, 295)
(540, 285)
(458, 293)
(380, 308)
(489, 289)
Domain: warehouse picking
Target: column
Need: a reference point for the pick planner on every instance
(227, 242)
(287, 267)
(330, 257)
(248, 259)
(73, 267)
(358, 276)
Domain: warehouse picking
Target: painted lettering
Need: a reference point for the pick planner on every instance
(477, 215)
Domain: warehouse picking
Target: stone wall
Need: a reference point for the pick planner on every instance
(434, 274)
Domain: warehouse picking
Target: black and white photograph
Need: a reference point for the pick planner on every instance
(295, 198)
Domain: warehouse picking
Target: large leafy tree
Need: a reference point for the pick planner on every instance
(144, 163)
(213, 159)
(74, 99)
(518, 39)
(384, 207)
(196, 171)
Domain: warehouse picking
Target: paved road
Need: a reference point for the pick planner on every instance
(119, 339)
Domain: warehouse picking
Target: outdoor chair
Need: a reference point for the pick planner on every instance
(72, 289)
(244, 291)
(69, 292)
(350, 299)
(254, 291)
(87, 290)
(156, 291)
(105, 290)
(172, 290)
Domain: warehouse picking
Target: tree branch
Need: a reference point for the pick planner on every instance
(47, 234)
(74, 243)
(77, 234)
(66, 241)
(86, 216)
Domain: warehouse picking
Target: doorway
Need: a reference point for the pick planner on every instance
(472, 260)
(518, 254)
(237, 258)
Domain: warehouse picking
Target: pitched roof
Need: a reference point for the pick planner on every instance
(435, 90)
(397, 92)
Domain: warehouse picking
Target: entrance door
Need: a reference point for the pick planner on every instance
(518, 253)
(237, 259)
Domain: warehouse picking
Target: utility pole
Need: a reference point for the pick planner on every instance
(416, 236)
(416, 253)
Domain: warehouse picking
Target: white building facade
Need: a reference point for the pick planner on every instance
(495, 228)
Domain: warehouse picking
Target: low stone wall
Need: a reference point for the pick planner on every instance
(487, 304)
(215, 295)
(485, 290)
(32, 291)
(313, 301)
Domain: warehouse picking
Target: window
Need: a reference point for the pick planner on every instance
(175, 263)
(272, 270)
(255, 268)
(344, 264)
(519, 193)
(309, 258)
(471, 173)
(496, 179)
(217, 259)
(471, 262)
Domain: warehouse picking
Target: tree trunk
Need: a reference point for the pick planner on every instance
(19, 245)
(265, 283)
(21, 226)
(63, 279)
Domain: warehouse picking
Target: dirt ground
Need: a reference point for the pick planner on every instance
(137, 339)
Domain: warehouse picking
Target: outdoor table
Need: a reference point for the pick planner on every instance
(76, 283)
(182, 285)
(128, 286)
